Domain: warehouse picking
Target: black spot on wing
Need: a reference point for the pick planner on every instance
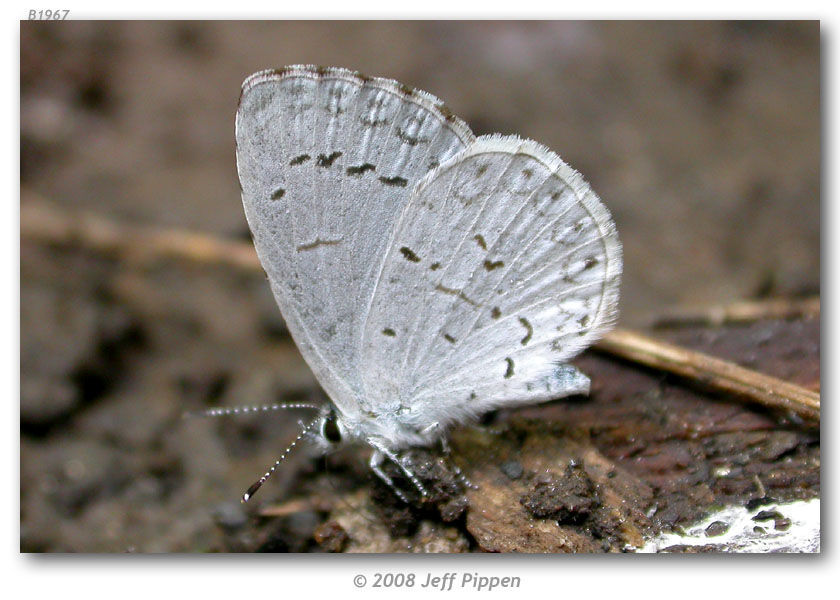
(447, 114)
(490, 265)
(409, 255)
(479, 239)
(509, 371)
(327, 161)
(389, 332)
(317, 243)
(361, 169)
(528, 328)
(411, 140)
(410, 132)
(297, 160)
(373, 116)
(278, 193)
(458, 293)
(395, 181)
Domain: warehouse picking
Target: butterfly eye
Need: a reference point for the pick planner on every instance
(329, 429)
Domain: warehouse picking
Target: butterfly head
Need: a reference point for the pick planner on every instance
(331, 429)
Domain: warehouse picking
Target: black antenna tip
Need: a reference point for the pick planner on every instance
(251, 491)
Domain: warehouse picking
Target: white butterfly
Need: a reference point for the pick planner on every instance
(427, 275)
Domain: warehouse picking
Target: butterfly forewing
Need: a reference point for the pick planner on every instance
(327, 159)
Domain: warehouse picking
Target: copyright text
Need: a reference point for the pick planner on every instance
(443, 582)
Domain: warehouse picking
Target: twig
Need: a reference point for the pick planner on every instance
(746, 311)
(714, 372)
(41, 221)
(295, 506)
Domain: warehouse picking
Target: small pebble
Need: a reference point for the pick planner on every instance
(767, 515)
(763, 501)
(717, 528)
(512, 468)
(331, 536)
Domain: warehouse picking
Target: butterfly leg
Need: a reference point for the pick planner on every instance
(402, 462)
(447, 452)
(376, 460)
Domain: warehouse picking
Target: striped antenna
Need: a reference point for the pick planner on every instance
(223, 411)
(258, 484)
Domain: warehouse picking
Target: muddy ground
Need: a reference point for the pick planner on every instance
(702, 138)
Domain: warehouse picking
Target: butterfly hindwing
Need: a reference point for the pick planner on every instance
(503, 266)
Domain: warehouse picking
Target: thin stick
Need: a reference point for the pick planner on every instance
(43, 222)
(295, 506)
(745, 311)
(714, 372)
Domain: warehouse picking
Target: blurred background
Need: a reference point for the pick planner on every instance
(702, 138)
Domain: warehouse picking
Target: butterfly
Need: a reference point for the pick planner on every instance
(427, 275)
